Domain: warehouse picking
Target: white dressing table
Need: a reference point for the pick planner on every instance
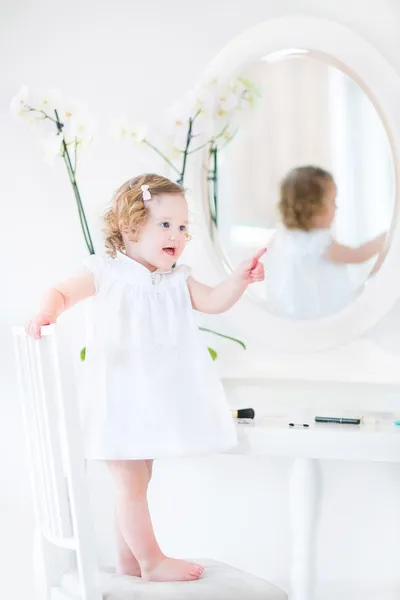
(272, 437)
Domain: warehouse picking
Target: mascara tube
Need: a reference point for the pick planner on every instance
(342, 420)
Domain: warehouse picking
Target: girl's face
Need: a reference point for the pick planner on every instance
(162, 238)
(325, 219)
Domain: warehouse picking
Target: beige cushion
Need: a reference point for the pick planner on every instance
(219, 582)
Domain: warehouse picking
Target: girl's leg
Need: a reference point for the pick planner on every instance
(132, 478)
(127, 563)
(149, 465)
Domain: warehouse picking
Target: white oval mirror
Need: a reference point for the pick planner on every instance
(359, 88)
(307, 111)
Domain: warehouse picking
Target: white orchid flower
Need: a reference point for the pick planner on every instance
(178, 115)
(69, 114)
(179, 136)
(79, 129)
(124, 130)
(77, 123)
(119, 129)
(173, 153)
(203, 98)
(52, 146)
(19, 104)
(35, 105)
(40, 111)
(196, 107)
(237, 86)
(49, 101)
(208, 115)
(228, 102)
(138, 133)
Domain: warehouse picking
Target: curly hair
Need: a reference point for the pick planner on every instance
(302, 196)
(129, 213)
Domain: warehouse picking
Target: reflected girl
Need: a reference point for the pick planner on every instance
(306, 269)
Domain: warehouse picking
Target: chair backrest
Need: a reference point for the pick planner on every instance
(56, 461)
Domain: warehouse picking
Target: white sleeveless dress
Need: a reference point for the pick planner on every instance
(150, 387)
(301, 282)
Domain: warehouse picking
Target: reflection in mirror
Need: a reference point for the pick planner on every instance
(321, 226)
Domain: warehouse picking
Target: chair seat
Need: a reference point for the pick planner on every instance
(219, 582)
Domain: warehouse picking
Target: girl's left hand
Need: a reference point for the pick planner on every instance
(251, 271)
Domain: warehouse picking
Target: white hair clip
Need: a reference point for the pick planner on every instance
(146, 193)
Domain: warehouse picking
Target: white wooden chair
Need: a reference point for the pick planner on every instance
(66, 565)
(64, 538)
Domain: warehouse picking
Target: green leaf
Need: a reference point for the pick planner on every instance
(213, 354)
(246, 82)
(227, 337)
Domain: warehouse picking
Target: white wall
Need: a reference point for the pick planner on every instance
(135, 58)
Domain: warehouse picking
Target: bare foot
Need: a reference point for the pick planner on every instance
(170, 569)
(129, 567)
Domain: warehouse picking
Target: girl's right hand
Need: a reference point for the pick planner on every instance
(251, 271)
(40, 320)
(60, 298)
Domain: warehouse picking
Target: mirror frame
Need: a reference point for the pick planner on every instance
(379, 79)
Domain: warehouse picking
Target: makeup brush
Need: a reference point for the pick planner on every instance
(243, 413)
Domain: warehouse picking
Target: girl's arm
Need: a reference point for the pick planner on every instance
(379, 262)
(338, 253)
(60, 298)
(218, 299)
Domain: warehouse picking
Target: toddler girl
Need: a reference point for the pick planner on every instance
(151, 388)
(307, 274)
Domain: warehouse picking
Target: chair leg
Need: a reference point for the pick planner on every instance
(40, 567)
